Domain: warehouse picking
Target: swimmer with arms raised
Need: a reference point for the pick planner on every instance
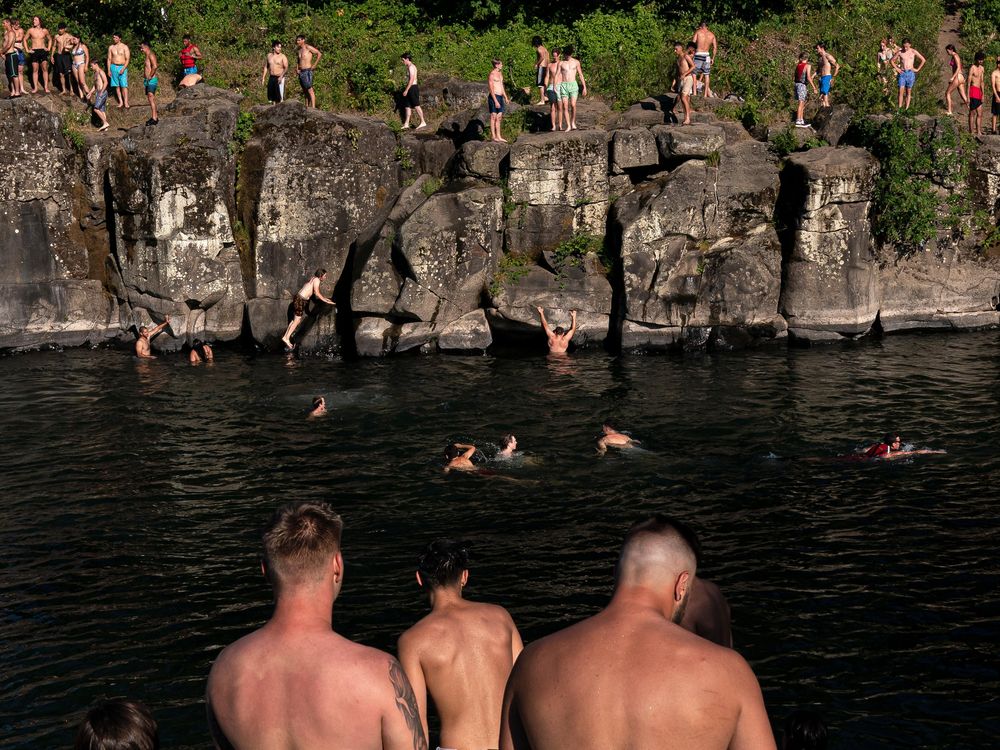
(145, 335)
(558, 337)
(612, 438)
(459, 457)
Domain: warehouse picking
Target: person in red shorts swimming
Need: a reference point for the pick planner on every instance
(891, 448)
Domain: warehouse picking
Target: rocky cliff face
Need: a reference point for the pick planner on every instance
(660, 236)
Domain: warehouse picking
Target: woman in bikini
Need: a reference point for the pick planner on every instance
(886, 51)
(81, 59)
(957, 80)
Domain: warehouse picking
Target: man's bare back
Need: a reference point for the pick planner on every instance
(705, 41)
(463, 653)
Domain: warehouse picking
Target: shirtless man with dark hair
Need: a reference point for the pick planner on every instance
(552, 81)
(461, 653)
(146, 334)
(275, 68)
(630, 677)
(308, 58)
(62, 55)
(541, 67)
(459, 457)
(558, 338)
(300, 300)
(38, 43)
(295, 683)
(10, 59)
(119, 56)
(569, 89)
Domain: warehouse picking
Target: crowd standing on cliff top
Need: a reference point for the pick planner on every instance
(559, 77)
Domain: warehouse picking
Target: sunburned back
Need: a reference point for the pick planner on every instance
(634, 681)
(466, 656)
(298, 692)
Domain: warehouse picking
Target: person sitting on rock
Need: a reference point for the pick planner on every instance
(558, 337)
(145, 336)
(200, 352)
(318, 407)
(612, 438)
(300, 300)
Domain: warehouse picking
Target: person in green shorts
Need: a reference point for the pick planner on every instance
(569, 89)
(150, 82)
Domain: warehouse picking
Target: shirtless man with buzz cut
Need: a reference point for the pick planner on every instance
(295, 682)
(299, 302)
(39, 45)
(558, 337)
(461, 653)
(630, 676)
(146, 334)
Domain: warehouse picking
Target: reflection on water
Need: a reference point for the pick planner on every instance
(132, 493)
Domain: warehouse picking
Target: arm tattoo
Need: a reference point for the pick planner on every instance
(406, 702)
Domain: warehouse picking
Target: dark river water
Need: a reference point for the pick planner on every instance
(132, 494)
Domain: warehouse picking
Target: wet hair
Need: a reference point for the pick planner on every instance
(568, 50)
(320, 273)
(703, 23)
(950, 48)
(506, 440)
(406, 56)
(147, 44)
(300, 540)
(804, 730)
(62, 26)
(452, 451)
(536, 41)
(890, 437)
(558, 330)
(442, 563)
(821, 44)
(496, 61)
(300, 36)
(555, 51)
(186, 38)
(317, 401)
(118, 725)
(980, 56)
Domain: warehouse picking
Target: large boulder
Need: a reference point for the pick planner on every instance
(689, 141)
(633, 148)
(310, 183)
(51, 288)
(172, 188)
(831, 276)
(558, 186)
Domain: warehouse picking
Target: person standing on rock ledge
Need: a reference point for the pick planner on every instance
(803, 75)
(684, 81)
(299, 302)
(706, 48)
(903, 64)
(275, 67)
(150, 81)
(10, 59)
(541, 67)
(145, 334)
(977, 79)
(828, 68)
(39, 42)
(558, 337)
(995, 86)
(411, 94)
(497, 100)
(119, 56)
(308, 58)
(100, 93)
(552, 81)
(569, 89)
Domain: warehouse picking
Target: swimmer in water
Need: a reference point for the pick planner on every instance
(508, 444)
(145, 336)
(558, 337)
(200, 352)
(459, 457)
(612, 438)
(891, 448)
(318, 407)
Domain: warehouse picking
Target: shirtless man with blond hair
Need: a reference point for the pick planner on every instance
(295, 683)
(706, 48)
(630, 676)
(310, 289)
(558, 338)
(38, 43)
(461, 653)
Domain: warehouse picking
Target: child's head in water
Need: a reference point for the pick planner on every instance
(804, 730)
(118, 725)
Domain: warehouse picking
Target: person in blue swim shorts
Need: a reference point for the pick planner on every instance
(827, 68)
(150, 81)
(119, 56)
(496, 100)
(903, 63)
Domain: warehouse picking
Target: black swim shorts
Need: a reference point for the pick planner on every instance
(10, 61)
(39, 56)
(975, 103)
(274, 89)
(996, 106)
(412, 98)
(64, 63)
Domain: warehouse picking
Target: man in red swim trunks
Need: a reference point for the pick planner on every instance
(977, 75)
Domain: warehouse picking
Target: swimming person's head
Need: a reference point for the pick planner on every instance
(118, 725)
(508, 440)
(892, 440)
(302, 546)
(804, 730)
(452, 451)
(443, 564)
(658, 556)
(558, 330)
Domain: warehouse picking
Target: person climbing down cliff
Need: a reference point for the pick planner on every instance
(558, 337)
(299, 302)
(145, 336)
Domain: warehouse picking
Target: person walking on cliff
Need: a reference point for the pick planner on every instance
(275, 67)
(100, 92)
(150, 81)
(684, 81)
(541, 67)
(569, 89)
(119, 56)
(552, 81)
(411, 94)
(308, 58)
(497, 100)
(828, 68)
(957, 80)
(299, 302)
(706, 48)
(39, 46)
(977, 79)
(903, 64)
(803, 76)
